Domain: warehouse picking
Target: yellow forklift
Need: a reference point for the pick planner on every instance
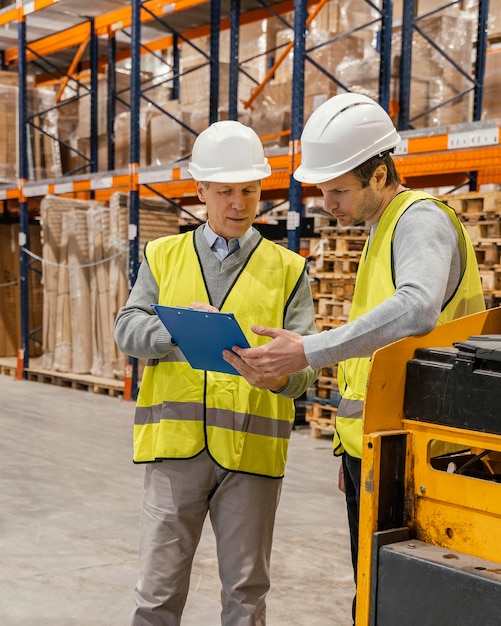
(430, 502)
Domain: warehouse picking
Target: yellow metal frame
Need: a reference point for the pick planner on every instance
(456, 512)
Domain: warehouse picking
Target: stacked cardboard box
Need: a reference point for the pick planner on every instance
(85, 271)
(10, 300)
(44, 157)
(436, 85)
(8, 126)
(491, 107)
(335, 42)
(44, 154)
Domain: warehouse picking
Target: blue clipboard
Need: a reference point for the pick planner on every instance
(203, 335)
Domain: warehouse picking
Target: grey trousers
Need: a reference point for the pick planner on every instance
(178, 494)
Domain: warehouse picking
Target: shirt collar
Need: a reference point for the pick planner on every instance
(211, 236)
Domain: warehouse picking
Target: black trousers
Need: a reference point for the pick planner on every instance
(352, 470)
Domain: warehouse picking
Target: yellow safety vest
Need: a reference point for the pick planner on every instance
(374, 285)
(181, 411)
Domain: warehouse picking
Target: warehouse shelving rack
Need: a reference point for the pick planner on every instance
(444, 154)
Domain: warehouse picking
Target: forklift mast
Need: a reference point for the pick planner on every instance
(430, 500)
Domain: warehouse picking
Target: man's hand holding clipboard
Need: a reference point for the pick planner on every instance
(203, 340)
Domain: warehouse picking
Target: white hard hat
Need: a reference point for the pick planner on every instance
(344, 132)
(228, 152)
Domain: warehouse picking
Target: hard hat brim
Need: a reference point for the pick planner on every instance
(227, 176)
(315, 177)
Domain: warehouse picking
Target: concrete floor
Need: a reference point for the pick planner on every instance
(69, 511)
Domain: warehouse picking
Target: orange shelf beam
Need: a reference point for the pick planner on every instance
(449, 161)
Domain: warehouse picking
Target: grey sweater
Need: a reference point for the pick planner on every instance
(427, 271)
(139, 332)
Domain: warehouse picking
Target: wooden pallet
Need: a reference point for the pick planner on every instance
(74, 381)
(327, 323)
(485, 228)
(336, 285)
(321, 418)
(95, 384)
(474, 204)
(341, 265)
(325, 386)
(330, 307)
(8, 367)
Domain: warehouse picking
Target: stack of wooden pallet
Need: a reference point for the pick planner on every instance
(332, 272)
(481, 215)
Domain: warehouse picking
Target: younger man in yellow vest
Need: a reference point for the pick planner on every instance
(213, 443)
(418, 268)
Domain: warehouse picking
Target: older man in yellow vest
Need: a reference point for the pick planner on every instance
(213, 443)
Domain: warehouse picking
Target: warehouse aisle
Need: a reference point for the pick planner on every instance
(69, 502)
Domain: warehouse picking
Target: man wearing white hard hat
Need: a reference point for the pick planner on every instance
(418, 268)
(213, 443)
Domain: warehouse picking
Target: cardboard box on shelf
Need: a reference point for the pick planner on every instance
(276, 94)
(269, 122)
(195, 85)
(491, 107)
(122, 138)
(330, 57)
(256, 42)
(197, 119)
(9, 78)
(85, 280)
(122, 102)
(10, 303)
(44, 155)
(327, 19)
(102, 153)
(166, 135)
(67, 128)
(439, 92)
(494, 21)
(8, 128)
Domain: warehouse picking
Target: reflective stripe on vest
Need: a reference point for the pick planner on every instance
(180, 411)
(374, 284)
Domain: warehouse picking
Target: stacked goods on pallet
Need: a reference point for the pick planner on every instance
(342, 40)
(10, 301)
(329, 43)
(44, 157)
(85, 252)
(44, 154)
(437, 86)
(67, 274)
(8, 126)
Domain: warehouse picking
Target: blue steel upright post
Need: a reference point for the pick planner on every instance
(234, 49)
(94, 86)
(112, 95)
(405, 65)
(215, 20)
(23, 176)
(478, 91)
(385, 54)
(482, 42)
(134, 157)
(176, 62)
(296, 209)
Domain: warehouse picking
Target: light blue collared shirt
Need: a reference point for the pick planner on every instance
(219, 245)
